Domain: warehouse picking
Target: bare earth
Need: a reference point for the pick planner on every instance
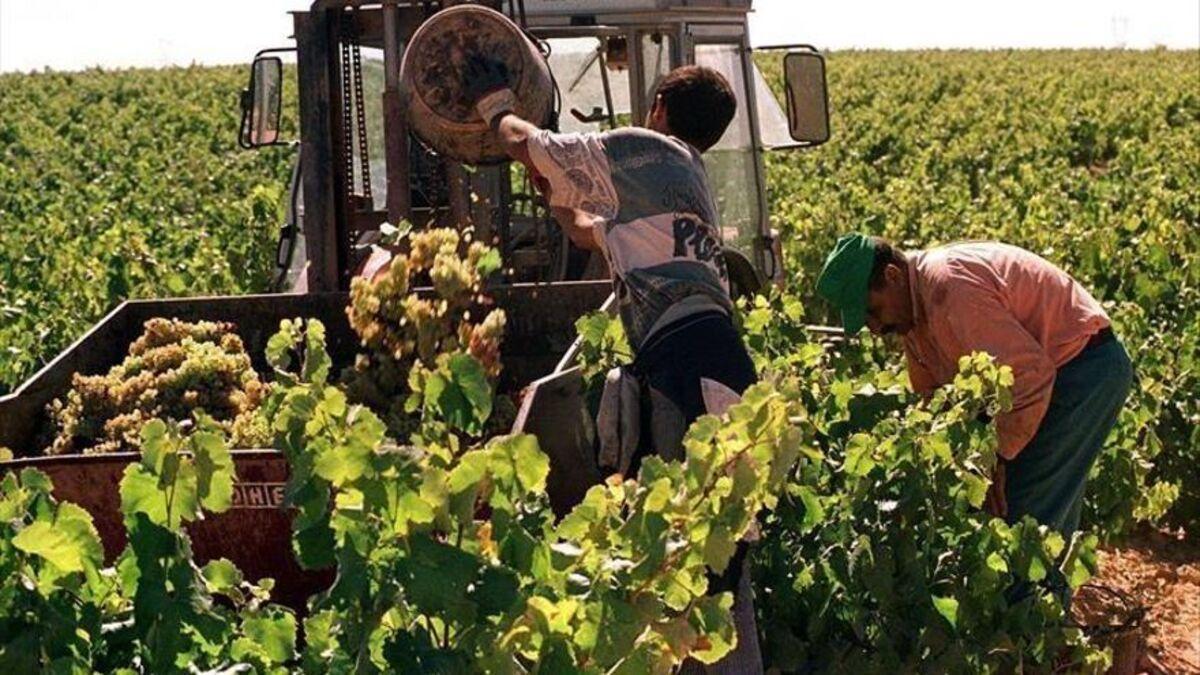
(1161, 571)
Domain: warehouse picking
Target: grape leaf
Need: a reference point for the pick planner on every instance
(42, 539)
(140, 494)
(719, 548)
(488, 262)
(214, 470)
(316, 360)
(221, 575)
(344, 463)
(814, 513)
(859, 460)
(948, 608)
(274, 632)
(711, 616)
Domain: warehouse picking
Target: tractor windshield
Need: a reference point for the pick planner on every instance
(732, 161)
(593, 81)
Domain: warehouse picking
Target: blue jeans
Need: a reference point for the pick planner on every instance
(1047, 480)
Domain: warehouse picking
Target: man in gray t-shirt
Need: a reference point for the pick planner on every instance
(653, 219)
(641, 197)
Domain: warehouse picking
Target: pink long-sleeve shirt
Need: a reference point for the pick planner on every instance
(1000, 299)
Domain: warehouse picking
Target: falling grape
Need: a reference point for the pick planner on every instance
(404, 331)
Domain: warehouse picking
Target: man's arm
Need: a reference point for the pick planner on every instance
(570, 169)
(514, 134)
(919, 377)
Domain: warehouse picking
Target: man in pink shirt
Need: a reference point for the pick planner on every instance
(1071, 375)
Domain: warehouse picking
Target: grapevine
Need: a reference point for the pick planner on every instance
(881, 559)
(62, 609)
(458, 560)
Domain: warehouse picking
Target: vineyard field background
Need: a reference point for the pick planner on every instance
(130, 184)
(125, 184)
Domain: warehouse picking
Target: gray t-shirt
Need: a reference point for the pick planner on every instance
(656, 219)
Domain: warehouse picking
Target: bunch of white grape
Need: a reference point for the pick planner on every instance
(402, 328)
(172, 371)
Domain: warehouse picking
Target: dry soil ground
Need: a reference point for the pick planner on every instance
(1160, 571)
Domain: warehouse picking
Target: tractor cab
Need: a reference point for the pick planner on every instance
(360, 164)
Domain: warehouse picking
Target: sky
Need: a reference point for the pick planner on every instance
(74, 34)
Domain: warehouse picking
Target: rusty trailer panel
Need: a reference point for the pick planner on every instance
(255, 533)
(555, 410)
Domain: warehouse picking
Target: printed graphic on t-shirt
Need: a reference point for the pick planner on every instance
(577, 170)
(696, 238)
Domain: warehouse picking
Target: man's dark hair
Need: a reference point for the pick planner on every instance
(700, 104)
(885, 253)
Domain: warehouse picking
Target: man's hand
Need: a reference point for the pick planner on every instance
(485, 84)
(996, 502)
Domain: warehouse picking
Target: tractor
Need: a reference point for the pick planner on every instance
(361, 164)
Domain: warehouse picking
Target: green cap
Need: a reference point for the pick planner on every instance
(844, 279)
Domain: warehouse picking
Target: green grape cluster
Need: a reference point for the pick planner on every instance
(173, 370)
(429, 301)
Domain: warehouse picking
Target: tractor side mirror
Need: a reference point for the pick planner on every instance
(807, 97)
(261, 103)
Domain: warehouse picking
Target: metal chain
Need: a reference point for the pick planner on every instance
(360, 110)
(352, 96)
(347, 130)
